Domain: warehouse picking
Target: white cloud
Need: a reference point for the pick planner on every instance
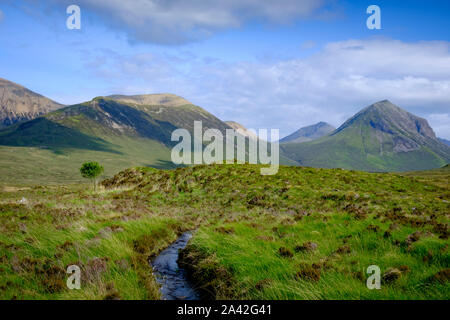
(178, 21)
(328, 86)
(1, 15)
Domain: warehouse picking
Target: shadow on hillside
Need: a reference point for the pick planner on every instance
(145, 125)
(165, 164)
(46, 134)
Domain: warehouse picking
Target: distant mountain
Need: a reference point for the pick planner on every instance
(447, 142)
(98, 124)
(118, 131)
(241, 129)
(309, 133)
(381, 137)
(19, 104)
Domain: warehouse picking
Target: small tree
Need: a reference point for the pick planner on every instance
(91, 170)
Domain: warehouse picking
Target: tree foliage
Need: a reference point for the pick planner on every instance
(91, 170)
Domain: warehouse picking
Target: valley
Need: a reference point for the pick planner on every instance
(240, 158)
(125, 131)
(310, 231)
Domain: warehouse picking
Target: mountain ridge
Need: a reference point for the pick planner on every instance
(18, 103)
(162, 99)
(113, 131)
(241, 129)
(137, 130)
(380, 137)
(309, 133)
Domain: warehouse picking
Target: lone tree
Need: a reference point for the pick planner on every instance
(91, 170)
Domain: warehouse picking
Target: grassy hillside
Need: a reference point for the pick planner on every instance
(439, 177)
(51, 149)
(309, 133)
(118, 134)
(301, 234)
(354, 149)
(381, 137)
(32, 165)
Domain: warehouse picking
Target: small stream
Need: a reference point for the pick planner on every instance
(172, 278)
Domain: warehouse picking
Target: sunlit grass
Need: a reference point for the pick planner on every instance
(249, 234)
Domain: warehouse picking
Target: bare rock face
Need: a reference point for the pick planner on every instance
(241, 129)
(19, 104)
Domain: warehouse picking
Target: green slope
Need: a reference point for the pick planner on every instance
(50, 149)
(119, 133)
(253, 241)
(46, 134)
(381, 137)
(309, 133)
(32, 165)
(253, 235)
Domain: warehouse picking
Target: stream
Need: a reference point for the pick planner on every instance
(172, 278)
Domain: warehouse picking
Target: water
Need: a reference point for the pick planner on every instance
(172, 278)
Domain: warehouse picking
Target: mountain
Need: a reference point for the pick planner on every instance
(381, 137)
(19, 104)
(158, 99)
(309, 133)
(444, 141)
(93, 124)
(118, 131)
(241, 129)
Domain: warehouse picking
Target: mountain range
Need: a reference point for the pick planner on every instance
(381, 137)
(122, 131)
(118, 131)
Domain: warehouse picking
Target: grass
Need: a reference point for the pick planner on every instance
(301, 234)
(437, 177)
(29, 166)
(39, 240)
(336, 270)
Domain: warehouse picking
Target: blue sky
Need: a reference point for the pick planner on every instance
(281, 64)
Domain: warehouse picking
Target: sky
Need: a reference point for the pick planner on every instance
(278, 64)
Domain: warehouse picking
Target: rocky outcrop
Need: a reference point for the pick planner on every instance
(20, 104)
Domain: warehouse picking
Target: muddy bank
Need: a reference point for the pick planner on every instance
(213, 281)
